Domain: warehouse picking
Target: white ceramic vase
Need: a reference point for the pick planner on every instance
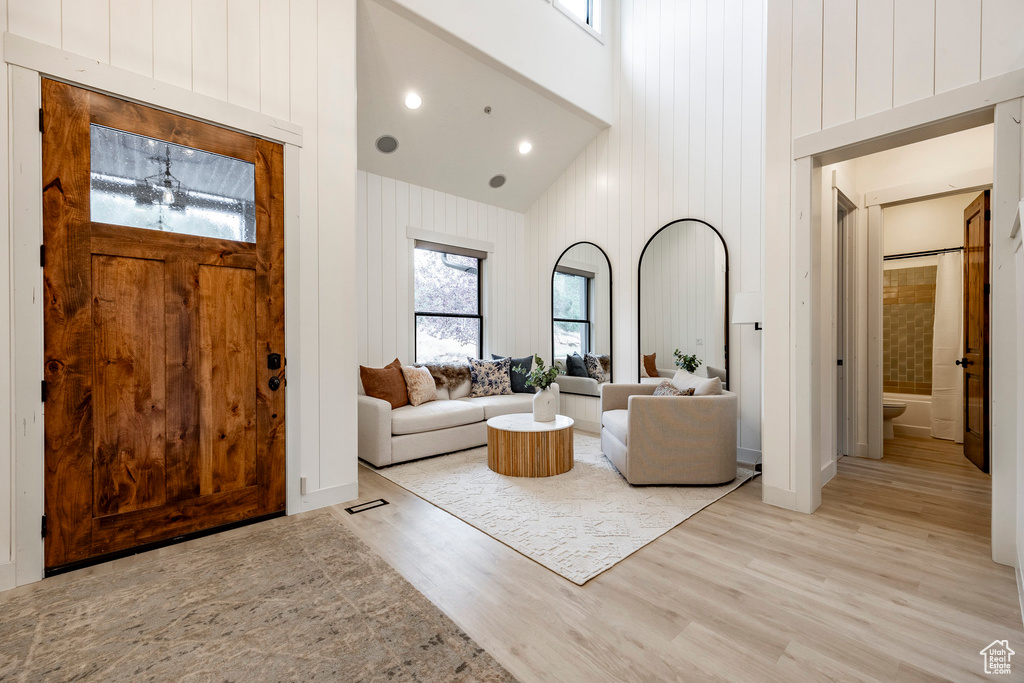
(545, 404)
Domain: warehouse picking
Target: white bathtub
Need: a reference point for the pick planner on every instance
(917, 420)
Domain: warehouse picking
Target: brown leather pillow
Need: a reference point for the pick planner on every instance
(651, 366)
(386, 383)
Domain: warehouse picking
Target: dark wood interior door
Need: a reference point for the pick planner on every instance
(161, 415)
(975, 360)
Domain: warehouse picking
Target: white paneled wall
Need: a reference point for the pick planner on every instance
(289, 59)
(384, 294)
(688, 143)
(854, 58)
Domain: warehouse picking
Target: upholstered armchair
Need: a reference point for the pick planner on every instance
(669, 439)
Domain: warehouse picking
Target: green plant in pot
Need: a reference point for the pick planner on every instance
(545, 401)
(688, 363)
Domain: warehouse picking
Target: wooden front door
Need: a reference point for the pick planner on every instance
(163, 300)
(975, 360)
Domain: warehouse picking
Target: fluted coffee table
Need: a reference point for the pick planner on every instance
(519, 447)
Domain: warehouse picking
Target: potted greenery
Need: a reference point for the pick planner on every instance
(545, 401)
(688, 363)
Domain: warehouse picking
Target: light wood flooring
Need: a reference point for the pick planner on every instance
(891, 580)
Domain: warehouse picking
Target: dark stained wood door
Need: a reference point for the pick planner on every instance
(160, 419)
(976, 326)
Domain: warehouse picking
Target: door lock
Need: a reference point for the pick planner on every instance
(274, 361)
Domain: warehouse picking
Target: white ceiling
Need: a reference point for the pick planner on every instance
(449, 143)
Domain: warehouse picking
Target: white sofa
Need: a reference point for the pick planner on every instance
(453, 422)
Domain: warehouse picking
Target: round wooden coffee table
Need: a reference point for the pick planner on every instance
(519, 447)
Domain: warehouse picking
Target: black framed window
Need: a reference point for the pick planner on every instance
(571, 312)
(447, 293)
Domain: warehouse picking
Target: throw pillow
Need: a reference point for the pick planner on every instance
(518, 377)
(606, 364)
(666, 388)
(420, 384)
(490, 377)
(575, 367)
(651, 366)
(684, 380)
(386, 383)
(709, 387)
(594, 368)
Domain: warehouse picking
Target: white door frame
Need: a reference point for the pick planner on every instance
(997, 100)
(26, 63)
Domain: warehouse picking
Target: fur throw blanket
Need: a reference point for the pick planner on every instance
(447, 375)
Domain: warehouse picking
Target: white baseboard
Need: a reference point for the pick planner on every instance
(911, 430)
(748, 455)
(332, 495)
(862, 450)
(8, 578)
(782, 498)
(828, 471)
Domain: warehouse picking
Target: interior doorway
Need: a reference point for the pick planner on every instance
(163, 326)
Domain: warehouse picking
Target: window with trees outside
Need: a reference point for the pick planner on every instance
(449, 326)
(571, 313)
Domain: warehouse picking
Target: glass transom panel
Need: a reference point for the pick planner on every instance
(142, 182)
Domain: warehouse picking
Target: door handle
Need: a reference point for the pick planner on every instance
(274, 383)
(963, 362)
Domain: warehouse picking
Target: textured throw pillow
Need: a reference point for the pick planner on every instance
(594, 368)
(651, 366)
(575, 367)
(684, 380)
(386, 383)
(606, 364)
(709, 387)
(518, 377)
(490, 377)
(420, 384)
(666, 388)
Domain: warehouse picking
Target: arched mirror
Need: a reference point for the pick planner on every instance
(581, 319)
(683, 294)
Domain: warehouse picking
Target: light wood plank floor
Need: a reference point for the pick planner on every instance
(891, 580)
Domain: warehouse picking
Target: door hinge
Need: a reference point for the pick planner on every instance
(988, 214)
(43, 393)
(988, 289)
(43, 527)
(839, 361)
(42, 255)
(40, 119)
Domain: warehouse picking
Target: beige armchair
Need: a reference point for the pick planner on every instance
(669, 439)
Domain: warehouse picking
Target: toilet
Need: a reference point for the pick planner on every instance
(890, 411)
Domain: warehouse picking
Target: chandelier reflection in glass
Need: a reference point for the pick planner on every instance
(142, 182)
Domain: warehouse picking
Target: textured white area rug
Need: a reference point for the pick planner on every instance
(576, 524)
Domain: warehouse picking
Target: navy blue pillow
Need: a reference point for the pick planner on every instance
(575, 367)
(518, 378)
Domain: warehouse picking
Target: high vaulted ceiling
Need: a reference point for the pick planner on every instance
(449, 143)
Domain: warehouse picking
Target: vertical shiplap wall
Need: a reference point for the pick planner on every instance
(687, 143)
(384, 295)
(854, 58)
(289, 59)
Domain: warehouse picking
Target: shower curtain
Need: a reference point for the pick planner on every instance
(947, 347)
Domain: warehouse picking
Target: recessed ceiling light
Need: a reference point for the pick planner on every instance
(413, 101)
(525, 147)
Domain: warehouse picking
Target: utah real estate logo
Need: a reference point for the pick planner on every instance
(997, 657)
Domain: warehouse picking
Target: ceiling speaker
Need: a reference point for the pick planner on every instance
(497, 181)
(387, 144)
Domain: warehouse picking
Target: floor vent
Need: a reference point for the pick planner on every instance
(363, 507)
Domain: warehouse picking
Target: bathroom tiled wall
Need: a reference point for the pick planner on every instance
(908, 317)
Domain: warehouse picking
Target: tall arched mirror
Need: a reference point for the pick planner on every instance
(683, 299)
(581, 319)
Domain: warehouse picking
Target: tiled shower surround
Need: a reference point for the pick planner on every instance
(908, 318)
